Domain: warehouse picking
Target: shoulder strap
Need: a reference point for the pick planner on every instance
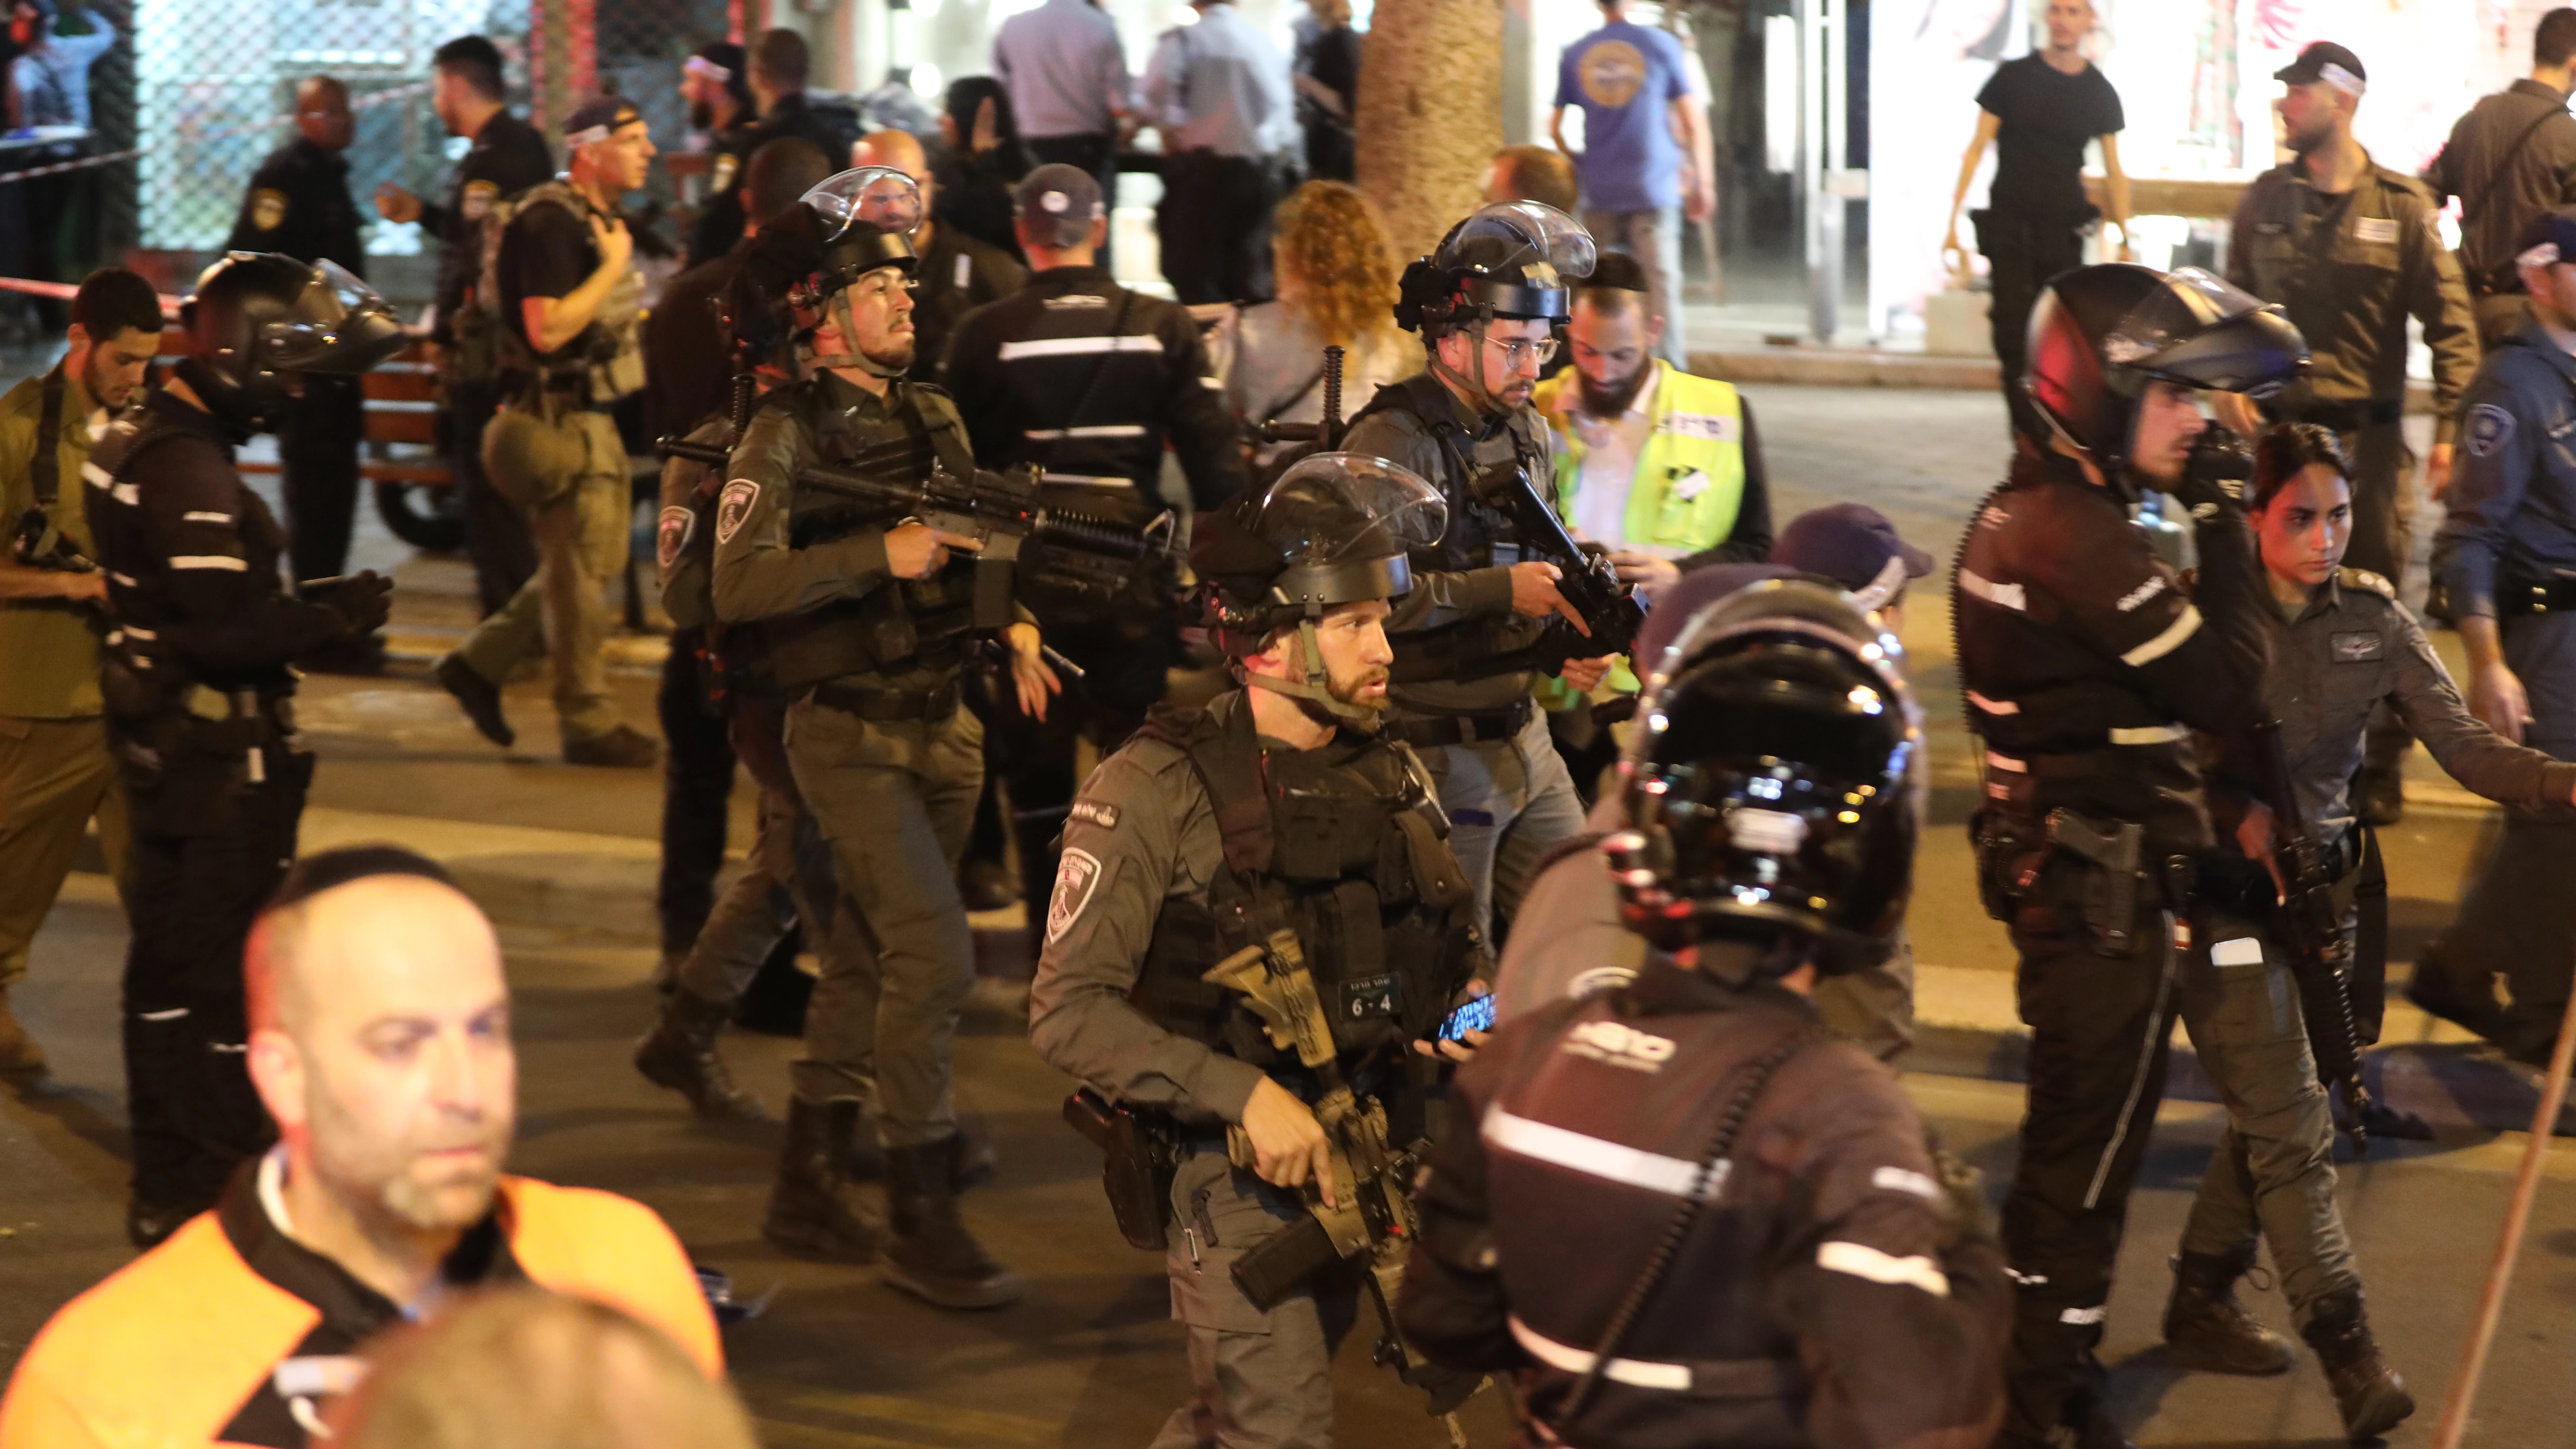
(1705, 1186)
(45, 471)
(2505, 162)
(1227, 756)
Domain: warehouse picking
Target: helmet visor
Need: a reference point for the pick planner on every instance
(337, 324)
(2200, 331)
(1557, 240)
(878, 197)
(1342, 524)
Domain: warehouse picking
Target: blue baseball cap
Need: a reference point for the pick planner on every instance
(1851, 544)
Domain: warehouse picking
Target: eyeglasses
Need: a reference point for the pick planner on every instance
(1518, 352)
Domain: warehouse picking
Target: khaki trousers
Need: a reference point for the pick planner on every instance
(55, 776)
(567, 472)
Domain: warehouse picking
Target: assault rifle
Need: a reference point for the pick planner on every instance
(1588, 582)
(1374, 1218)
(1001, 511)
(2320, 958)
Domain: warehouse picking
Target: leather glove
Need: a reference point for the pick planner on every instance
(364, 601)
(2214, 476)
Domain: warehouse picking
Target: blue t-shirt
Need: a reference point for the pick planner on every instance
(1626, 78)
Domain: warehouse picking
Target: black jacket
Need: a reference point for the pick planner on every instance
(508, 156)
(687, 371)
(831, 130)
(298, 204)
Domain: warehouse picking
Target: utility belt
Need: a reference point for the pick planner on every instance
(2119, 877)
(1439, 731)
(2350, 417)
(1698, 1378)
(201, 722)
(2518, 594)
(2242, 887)
(926, 706)
(552, 394)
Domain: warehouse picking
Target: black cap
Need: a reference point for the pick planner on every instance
(2555, 227)
(603, 114)
(1058, 204)
(2325, 61)
(1849, 543)
(331, 869)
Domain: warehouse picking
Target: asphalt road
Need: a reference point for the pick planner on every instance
(1090, 1358)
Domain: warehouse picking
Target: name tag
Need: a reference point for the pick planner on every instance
(2376, 230)
(1690, 485)
(1704, 425)
(2358, 648)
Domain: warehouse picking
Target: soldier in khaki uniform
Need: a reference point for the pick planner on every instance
(861, 620)
(2350, 251)
(56, 770)
(571, 300)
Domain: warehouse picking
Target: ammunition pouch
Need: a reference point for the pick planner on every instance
(473, 348)
(1139, 1156)
(2008, 860)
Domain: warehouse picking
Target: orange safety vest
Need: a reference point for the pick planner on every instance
(167, 1351)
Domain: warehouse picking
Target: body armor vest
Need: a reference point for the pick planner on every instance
(605, 361)
(1479, 536)
(1344, 845)
(920, 622)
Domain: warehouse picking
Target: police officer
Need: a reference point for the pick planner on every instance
(507, 157)
(779, 61)
(863, 621)
(2349, 250)
(1087, 380)
(1281, 804)
(198, 689)
(958, 272)
(571, 301)
(299, 205)
(2512, 157)
(2506, 557)
(2085, 667)
(1484, 304)
(716, 83)
(1833, 1286)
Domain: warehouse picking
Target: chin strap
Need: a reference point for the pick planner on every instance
(1474, 387)
(1314, 693)
(839, 307)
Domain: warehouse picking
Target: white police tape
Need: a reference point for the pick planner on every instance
(110, 158)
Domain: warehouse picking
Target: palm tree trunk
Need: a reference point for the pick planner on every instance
(1430, 114)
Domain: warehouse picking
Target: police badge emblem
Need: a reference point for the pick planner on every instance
(720, 180)
(477, 198)
(733, 507)
(1075, 876)
(267, 208)
(2490, 428)
(671, 534)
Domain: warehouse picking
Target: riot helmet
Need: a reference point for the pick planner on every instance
(1512, 259)
(1336, 528)
(254, 315)
(1771, 789)
(2100, 334)
(848, 225)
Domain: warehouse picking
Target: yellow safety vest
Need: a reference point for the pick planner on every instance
(1689, 483)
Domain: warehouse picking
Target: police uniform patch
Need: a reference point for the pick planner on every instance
(720, 179)
(477, 198)
(671, 534)
(1096, 812)
(2375, 230)
(2358, 647)
(733, 506)
(267, 208)
(1075, 877)
(2490, 428)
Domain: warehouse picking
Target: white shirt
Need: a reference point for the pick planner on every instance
(1222, 86)
(1063, 68)
(1609, 471)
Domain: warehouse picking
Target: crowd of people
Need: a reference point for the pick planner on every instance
(1528, 864)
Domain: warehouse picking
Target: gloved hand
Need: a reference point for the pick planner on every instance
(2214, 476)
(364, 601)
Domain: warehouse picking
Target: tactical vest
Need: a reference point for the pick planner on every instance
(1344, 845)
(916, 622)
(605, 360)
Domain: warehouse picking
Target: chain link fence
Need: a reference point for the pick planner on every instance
(638, 47)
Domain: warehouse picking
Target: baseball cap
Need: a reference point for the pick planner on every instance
(1852, 544)
(721, 59)
(2548, 239)
(1058, 204)
(599, 118)
(2324, 60)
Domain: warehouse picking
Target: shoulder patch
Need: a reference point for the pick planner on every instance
(733, 506)
(267, 208)
(2365, 579)
(671, 534)
(1076, 876)
(477, 198)
(1096, 812)
(720, 177)
(2490, 428)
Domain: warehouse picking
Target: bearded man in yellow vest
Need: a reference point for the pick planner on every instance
(1660, 467)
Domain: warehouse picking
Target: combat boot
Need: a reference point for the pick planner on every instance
(2208, 1330)
(21, 1059)
(2371, 1396)
(933, 1257)
(813, 1212)
(680, 1053)
(972, 1164)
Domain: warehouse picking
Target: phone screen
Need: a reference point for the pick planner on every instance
(1476, 1015)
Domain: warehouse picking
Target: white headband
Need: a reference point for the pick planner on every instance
(700, 65)
(588, 136)
(2543, 255)
(2341, 79)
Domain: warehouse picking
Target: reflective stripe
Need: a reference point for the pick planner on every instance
(96, 476)
(126, 493)
(1863, 1261)
(1905, 1179)
(2005, 762)
(210, 561)
(1086, 480)
(1993, 706)
(2081, 1316)
(1595, 1157)
(173, 1014)
(116, 577)
(2009, 596)
(1104, 430)
(2166, 642)
(1079, 346)
(2241, 951)
(2150, 735)
(139, 632)
(195, 516)
(1566, 1358)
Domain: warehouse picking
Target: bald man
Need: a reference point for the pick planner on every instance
(380, 1043)
(957, 273)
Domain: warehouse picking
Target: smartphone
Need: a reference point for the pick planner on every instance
(1476, 1015)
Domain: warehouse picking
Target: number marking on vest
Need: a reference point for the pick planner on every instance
(1075, 877)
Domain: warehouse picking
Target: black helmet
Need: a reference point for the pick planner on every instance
(257, 314)
(1511, 259)
(1772, 788)
(2100, 334)
(845, 227)
(1334, 529)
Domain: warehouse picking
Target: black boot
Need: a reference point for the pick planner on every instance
(812, 1211)
(973, 1161)
(2370, 1394)
(933, 1257)
(680, 1053)
(2206, 1327)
